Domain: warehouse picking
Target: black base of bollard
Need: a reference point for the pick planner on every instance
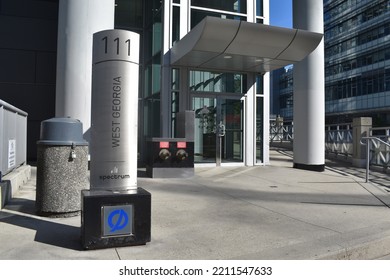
(115, 219)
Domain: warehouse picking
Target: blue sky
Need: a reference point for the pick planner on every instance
(281, 12)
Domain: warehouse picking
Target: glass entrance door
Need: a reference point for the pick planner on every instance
(211, 144)
(205, 129)
(231, 116)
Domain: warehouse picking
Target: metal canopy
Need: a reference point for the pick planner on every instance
(231, 45)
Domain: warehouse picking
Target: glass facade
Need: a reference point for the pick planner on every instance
(216, 99)
(165, 90)
(357, 63)
(357, 60)
(203, 81)
(285, 86)
(230, 9)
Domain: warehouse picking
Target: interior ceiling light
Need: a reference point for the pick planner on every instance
(227, 57)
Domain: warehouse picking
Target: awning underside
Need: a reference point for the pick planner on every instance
(230, 45)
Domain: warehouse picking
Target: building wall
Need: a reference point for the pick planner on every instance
(283, 92)
(357, 66)
(179, 18)
(28, 44)
(357, 62)
(28, 47)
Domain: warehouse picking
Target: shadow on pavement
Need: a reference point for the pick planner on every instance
(22, 214)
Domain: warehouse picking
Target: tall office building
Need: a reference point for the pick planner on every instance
(357, 60)
(209, 56)
(282, 92)
(357, 63)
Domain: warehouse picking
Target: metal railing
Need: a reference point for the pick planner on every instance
(380, 152)
(338, 139)
(13, 137)
(281, 132)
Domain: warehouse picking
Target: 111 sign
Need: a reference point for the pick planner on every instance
(117, 41)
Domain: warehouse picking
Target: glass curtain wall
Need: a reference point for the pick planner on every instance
(229, 9)
(216, 97)
(357, 60)
(129, 15)
(221, 90)
(152, 66)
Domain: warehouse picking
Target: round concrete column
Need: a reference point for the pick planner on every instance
(309, 92)
(77, 21)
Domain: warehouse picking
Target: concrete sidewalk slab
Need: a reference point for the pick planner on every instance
(264, 212)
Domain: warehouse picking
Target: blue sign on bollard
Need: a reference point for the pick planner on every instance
(117, 220)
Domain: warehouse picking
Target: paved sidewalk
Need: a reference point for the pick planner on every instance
(271, 212)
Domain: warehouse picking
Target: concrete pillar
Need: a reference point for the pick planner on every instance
(309, 92)
(77, 21)
(360, 128)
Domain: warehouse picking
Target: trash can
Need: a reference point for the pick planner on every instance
(62, 168)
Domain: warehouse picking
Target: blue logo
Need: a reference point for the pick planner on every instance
(117, 220)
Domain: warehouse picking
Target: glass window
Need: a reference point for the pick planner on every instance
(175, 86)
(259, 8)
(128, 13)
(175, 79)
(152, 116)
(259, 84)
(153, 11)
(387, 80)
(198, 15)
(259, 20)
(157, 35)
(176, 24)
(203, 81)
(152, 79)
(174, 110)
(156, 74)
(259, 129)
(238, 6)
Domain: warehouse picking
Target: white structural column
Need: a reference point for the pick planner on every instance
(250, 121)
(309, 92)
(78, 20)
(266, 101)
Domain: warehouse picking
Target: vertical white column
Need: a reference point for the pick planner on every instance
(309, 92)
(250, 121)
(251, 11)
(266, 12)
(266, 100)
(185, 24)
(77, 21)
(267, 93)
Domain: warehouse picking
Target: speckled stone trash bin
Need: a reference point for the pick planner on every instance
(62, 168)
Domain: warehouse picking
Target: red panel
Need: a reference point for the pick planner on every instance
(164, 145)
(181, 145)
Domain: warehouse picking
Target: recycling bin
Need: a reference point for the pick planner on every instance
(62, 168)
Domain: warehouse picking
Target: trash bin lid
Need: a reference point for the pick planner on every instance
(62, 131)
